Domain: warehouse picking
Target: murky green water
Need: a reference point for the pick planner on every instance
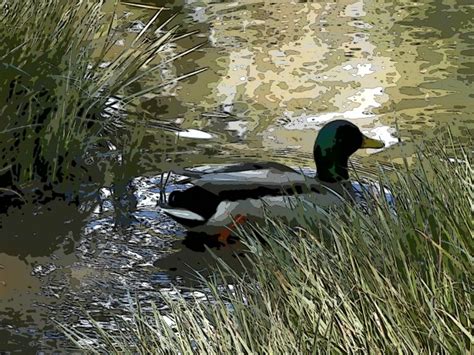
(282, 69)
(277, 70)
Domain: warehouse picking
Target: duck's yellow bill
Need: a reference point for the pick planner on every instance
(371, 143)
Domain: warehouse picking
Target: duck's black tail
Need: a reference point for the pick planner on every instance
(195, 199)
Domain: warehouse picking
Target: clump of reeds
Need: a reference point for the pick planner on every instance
(379, 279)
(60, 104)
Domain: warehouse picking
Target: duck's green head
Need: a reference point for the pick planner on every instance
(335, 143)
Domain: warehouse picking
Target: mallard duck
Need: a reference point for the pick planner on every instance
(222, 197)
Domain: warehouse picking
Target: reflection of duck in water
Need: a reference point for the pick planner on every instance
(232, 194)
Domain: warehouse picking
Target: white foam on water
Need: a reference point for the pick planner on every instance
(200, 14)
(355, 10)
(194, 133)
(366, 100)
(238, 126)
(383, 133)
(364, 69)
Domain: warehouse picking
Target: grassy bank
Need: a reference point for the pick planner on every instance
(64, 98)
(395, 279)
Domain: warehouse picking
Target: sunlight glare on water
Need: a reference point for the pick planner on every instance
(277, 71)
(281, 69)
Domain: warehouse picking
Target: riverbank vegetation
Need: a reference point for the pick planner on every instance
(380, 278)
(67, 107)
(376, 278)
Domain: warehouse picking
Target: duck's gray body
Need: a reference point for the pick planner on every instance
(252, 190)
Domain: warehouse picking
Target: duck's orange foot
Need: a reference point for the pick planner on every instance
(227, 231)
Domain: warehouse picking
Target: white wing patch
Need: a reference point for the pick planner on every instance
(185, 214)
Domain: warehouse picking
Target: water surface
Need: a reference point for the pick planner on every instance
(277, 71)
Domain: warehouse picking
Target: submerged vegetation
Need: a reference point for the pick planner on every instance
(377, 278)
(66, 103)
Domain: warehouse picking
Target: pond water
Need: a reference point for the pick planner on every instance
(277, 71)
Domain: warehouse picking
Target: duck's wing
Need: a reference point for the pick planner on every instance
(194, 206)
(240, 185)
(240, 167)
(197, 173)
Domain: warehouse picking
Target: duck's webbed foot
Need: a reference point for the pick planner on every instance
(227, 231)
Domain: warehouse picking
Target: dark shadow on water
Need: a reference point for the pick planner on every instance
(36, 242)
(199, 242)
(40, 230)
(199, 253)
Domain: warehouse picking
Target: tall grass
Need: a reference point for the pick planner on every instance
(382, 279)
(59, 104)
